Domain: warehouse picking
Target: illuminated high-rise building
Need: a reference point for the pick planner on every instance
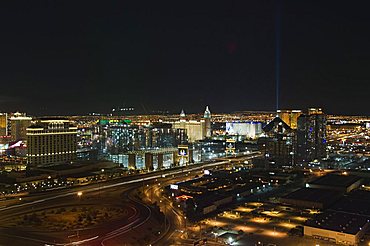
(195, 129)
(120, 137)
(311, 136)
(207, 120)
(290, 117)
(164, 136)
(3, 124)
(18, 126)
(51, 141)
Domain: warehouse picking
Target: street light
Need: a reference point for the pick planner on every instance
(102, 173)
(79, 194)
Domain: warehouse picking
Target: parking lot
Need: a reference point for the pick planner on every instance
(258, 223)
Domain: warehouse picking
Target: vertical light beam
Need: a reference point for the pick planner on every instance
(277, 50)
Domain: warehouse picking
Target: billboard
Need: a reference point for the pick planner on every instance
(174, 187)
(230, 146)
(183, 151)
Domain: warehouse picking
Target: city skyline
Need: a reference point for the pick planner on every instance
(249, 178)
(185, 123)
(168, 57)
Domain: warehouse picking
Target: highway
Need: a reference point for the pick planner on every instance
(107, 234)
(175, 220)
(37, 237)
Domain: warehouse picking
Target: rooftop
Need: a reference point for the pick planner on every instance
(336, 180)
(314, 195)
(339, 221)
(209, 199)
(357, 202)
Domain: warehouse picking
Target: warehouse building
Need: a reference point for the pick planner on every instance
(342, 183)
(312, 198)
(337, 227)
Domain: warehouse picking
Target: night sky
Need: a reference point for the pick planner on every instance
(75, 57)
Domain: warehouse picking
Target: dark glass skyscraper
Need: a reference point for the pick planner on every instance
(311, 136)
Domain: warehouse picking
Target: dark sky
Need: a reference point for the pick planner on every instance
(67, 57)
